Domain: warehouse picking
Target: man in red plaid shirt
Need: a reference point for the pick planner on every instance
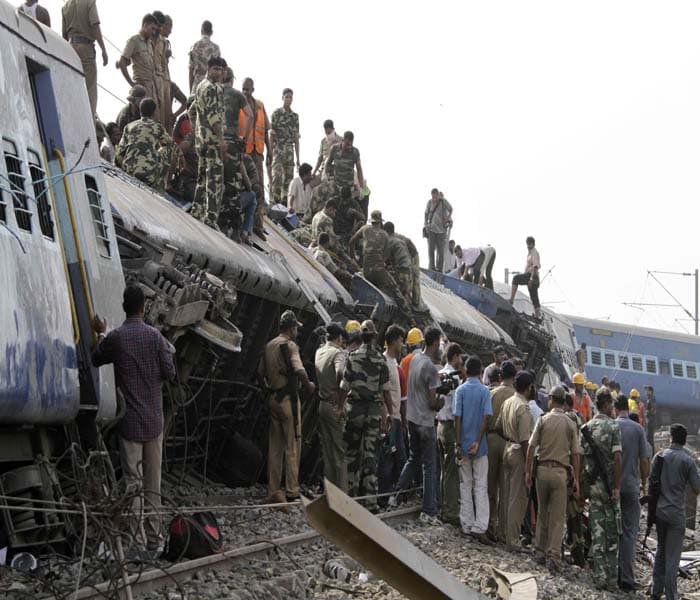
(142, 360)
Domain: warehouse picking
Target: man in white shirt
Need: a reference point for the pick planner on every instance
(531, 276)
(299, 192)
(449, 472)
(392, 453)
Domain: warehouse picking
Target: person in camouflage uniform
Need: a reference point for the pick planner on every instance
(374, 256)
(322, 193)
(284, 139)
(343, 159)
(576, 536)
(200, 54)
(415, 295)
(210, 143)
(399, 261)
(146, 151)
(366, 381)
(350, 216)
(604, 513)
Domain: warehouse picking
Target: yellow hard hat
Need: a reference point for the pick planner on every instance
(351, 326)
(414, 337)
(634, 393)
(590, 386)
(578, 378)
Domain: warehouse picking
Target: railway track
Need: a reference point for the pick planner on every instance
(155, 579)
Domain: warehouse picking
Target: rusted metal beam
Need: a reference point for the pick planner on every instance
(382, 550)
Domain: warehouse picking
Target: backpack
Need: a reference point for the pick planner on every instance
(193, 536)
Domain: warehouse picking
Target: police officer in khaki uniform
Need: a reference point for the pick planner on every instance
(516, 423)
(284, 449)
(559, 452)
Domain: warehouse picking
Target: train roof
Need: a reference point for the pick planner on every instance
(35, 34)
(673, 336)
(251, 271)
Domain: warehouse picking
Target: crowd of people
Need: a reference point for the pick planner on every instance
(491, 457)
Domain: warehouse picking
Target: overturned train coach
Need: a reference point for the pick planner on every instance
(72, 232)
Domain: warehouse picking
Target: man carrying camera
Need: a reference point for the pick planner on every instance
(450, 377)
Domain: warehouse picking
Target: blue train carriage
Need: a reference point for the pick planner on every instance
(638, 356)
(58, 256)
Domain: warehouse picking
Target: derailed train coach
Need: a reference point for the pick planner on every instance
(64, 258)
(217, 409)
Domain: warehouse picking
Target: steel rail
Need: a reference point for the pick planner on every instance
(154, 579)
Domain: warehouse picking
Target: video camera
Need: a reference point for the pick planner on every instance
(448, 383)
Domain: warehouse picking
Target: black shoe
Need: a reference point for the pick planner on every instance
(628, 587)
(482, 539)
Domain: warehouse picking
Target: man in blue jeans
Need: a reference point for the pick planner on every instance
(421, 406)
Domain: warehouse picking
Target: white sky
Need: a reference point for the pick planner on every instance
(577, 123)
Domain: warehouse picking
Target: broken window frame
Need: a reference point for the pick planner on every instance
(16, 184)
(96, 203)
(41, 194)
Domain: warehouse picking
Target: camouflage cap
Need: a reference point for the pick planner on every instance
(289, 319)
(376, 216)
(558, 393)
(138, 91)
(368, 327)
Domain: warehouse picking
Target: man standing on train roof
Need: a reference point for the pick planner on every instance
(200, 53)
(329, 140)
(281, 367)
(374, 261)
(138, 53)
(344, 158)
(210, 144)
(39, 13)
(530, 277)
(143, 360)
(81, 27)
(284, 139)
(499, 355)
(437, 220)
(582, 402)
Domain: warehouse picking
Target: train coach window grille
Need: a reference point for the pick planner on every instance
(651, 365)
(637, 364)
(13, 164)
(41, 194)
(98, 216)
(678, 369)
(624, 361)
(691, 371)
(664, 368)
(610, 360)
(596, 357)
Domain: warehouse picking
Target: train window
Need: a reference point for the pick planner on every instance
(98, 216)
(651, 365)
(596, 358)
(41, 194)
(15, 181)
(624, 361)
(610, 360)
(637, 363)
(664, 368)
(3, 205)
(691, 371)
(677, 369)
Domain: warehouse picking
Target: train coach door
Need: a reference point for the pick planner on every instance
(48, 124)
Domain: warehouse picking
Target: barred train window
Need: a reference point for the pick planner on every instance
(677, 369)
(691, 371)
(651, 365)
(98, 216)
(610, 360)
(41, 194)
(596, 358)
(624, 361)
(637, 364)
(13, 164)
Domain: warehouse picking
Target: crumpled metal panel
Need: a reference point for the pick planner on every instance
(454, 313)
(250, 270)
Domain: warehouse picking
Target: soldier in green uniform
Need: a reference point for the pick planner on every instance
(575, 535)
(210, 143)
(146, 151)
(350, 216)
(366, 381)
(415, 296)
(284, 139)
(322, 193)
(399, 260)
(373, 261)
(604, 514)
(343, 159)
